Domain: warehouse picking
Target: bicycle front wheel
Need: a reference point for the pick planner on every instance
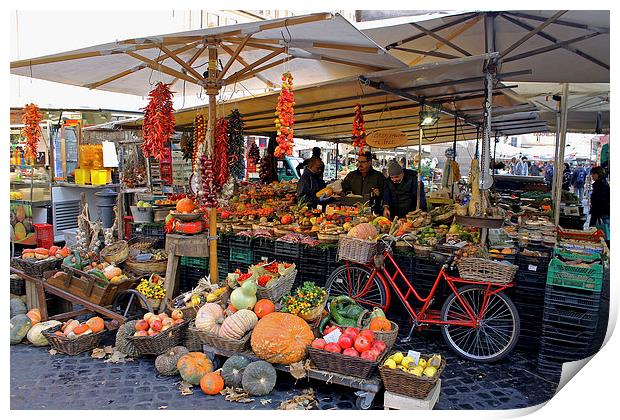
(360, 283)
(498, 329)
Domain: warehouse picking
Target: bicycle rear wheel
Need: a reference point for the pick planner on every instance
(360, 283)
(498, 330)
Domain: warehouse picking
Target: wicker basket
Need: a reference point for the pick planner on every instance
(327, 237)
(192, 341)
(407, 384)
(189, 312)
(241, 228)
(36, 268)
(155, 303)
(345, 365)
(314, 313)
(115, 253)
(278, 288)
(388, 337)
(480, 269)
(221, 343)
(147, 267)
(160, 343)
(72, 346)
(356, 250)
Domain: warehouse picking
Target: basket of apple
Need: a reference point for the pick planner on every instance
(156, 334)
(347, 351)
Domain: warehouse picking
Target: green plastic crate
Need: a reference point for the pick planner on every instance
(242, 255)
(194, 262)
(574, 256)
(562, 274)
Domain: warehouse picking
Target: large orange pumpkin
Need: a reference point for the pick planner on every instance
(185, 205)
(264, 307)
(281, 338)
(380, 324)
(96, 324)
(193, 366)
(212, 383)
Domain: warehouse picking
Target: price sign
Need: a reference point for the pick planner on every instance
(333, 336)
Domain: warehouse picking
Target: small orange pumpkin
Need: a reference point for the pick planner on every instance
(96, 324)
(264, 307)
(193, 366)
(185, 205)
(34, 315)
(80, 329)
(380, 324)
(212, 383)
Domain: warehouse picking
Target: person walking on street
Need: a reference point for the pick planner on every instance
(579, 180)
(513, 166)
(316, 152)
(310, 183)
(365, 181)
(522, 168)
(534, 169)
(599, 201)
(401, 192)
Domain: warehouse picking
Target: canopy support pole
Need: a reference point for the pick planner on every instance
(557, 166)
(560, 156)
(417, 205)
(486, 180)
(212, 91)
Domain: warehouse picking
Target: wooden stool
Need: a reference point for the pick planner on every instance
(401, 402)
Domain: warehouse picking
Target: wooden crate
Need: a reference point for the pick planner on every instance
(400, 402)
(87, 287)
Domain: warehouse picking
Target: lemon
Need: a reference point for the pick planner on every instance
(407, 361)
(404, 369)
(397, 357)
(422, 362)
(390, 363)
(430, 371)
(435, 361)
(417, 371)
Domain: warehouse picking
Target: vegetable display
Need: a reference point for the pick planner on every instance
(236, 144)
(232, 370)
(166, 364)
(281, 338)
(158, 123)
(285, 117)
(32, 130)
(220, 154)
(259, 378)
(359, 133)
(152, 287)
(304, 299)
(193, 366)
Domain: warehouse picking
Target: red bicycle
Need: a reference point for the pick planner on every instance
(478, 321)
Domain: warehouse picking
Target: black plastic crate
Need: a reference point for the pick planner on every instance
(288, 252)
(189, 276)
(573, 318)
(568, 354)
(549, 369)
(236, 265)
(530, 279)
(263, 249)
(556, 332)
(406, 263)
(148, 230)
(576, 298)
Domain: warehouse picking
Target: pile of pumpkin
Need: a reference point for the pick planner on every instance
(96, 266)
(256, 378)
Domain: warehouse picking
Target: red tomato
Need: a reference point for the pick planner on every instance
(379, 346)
(362, 344)
(352, 332)
(318, 343)
(369, 335)
(369, 355)
(332, 347)
(351, 352)
(345, 341)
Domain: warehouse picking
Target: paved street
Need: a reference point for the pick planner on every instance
(43, 381)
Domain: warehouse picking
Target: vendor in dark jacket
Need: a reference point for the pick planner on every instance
(311, 182)
(401, 192)
(365, 181)
(316, 152)
(599, 200)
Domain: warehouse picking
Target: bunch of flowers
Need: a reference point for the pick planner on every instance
(285, 114)
(359, 134)
(304, 299)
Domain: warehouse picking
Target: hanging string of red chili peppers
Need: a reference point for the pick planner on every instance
(236, 144)
(200, 134)
(359, 134)
(285, 114)
(220, 154)
(31, 119)
(158, 123)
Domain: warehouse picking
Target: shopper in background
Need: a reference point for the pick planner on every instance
(310, 183)
(316, 152)
(579, 180)
(548, 172)
(566, 177)
(522, 167)
(513, 166)
(534, 169)
(599, 201)
(365, 181)
(401, 192)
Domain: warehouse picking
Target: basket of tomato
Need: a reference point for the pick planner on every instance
(354, 353)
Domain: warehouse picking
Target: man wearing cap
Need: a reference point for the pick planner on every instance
(310, 183)
(365, 181)
(401, 192)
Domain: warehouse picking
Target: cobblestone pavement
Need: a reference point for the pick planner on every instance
(43, 381)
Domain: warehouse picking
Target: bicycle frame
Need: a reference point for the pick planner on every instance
(424, 315)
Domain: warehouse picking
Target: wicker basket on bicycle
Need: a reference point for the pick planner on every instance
(480, 269)
(356, 250)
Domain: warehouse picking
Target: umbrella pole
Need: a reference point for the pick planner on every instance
(417, 206)
(212, 91)
(560, 157)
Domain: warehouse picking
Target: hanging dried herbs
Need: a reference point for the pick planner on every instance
(158, 123)
(254, 153)
(236, 144)
(285, 117)
(32, 130)
(359, 133)
(220, 154)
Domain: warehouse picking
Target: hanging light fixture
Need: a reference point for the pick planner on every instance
(428, 116)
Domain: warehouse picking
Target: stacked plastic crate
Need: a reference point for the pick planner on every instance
(572, 306)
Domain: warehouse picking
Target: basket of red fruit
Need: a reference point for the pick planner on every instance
(348, 352)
